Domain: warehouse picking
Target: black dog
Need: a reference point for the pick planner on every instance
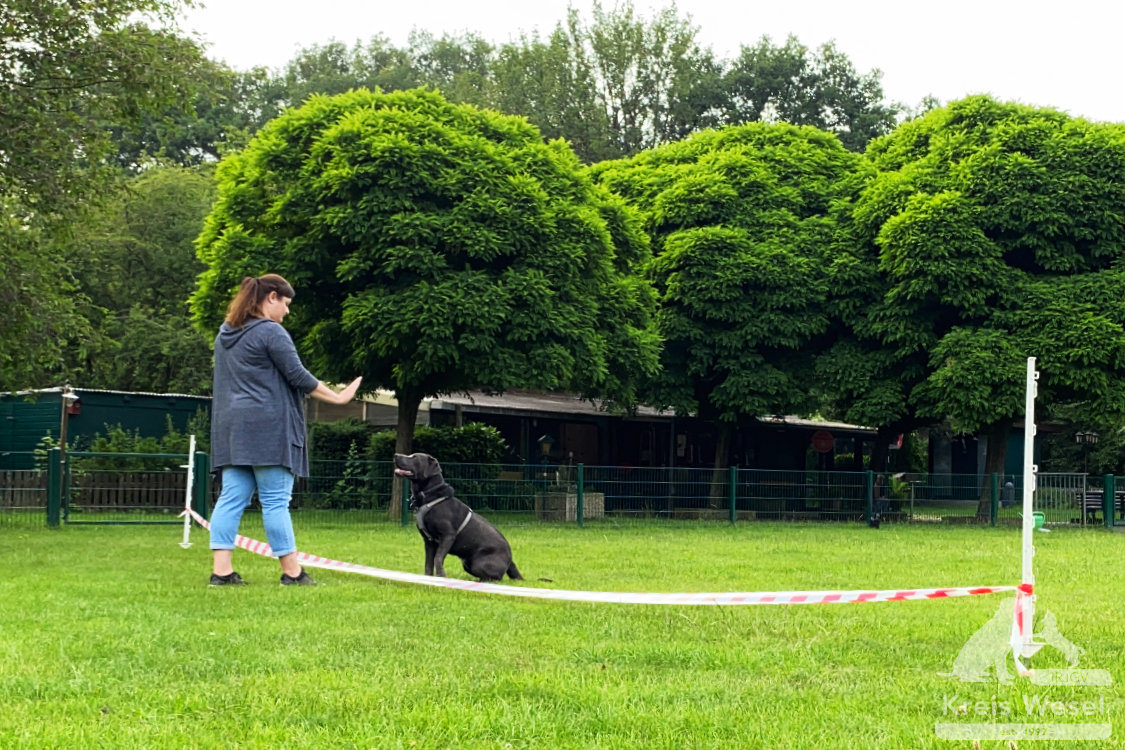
(448, 526)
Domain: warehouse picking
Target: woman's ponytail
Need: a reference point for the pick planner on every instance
(252, 292)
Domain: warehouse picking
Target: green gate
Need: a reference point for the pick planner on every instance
(88, 487)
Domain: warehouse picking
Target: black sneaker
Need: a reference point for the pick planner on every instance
(230, 579)
(304, 579)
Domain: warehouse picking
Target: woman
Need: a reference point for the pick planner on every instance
(258, 424)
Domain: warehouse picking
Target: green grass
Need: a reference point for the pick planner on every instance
(109, 638)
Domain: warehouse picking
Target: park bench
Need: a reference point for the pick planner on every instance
(1093, 504)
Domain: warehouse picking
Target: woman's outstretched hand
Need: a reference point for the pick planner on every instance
(323, 393)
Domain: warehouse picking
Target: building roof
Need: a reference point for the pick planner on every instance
(78, 389)
(518, 402)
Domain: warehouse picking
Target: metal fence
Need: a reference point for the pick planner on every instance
(85, 487)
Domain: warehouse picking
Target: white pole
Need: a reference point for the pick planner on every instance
(1025, 601)
(1029, 473)
(187, 494)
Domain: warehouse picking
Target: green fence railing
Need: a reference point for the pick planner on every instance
(85, 487)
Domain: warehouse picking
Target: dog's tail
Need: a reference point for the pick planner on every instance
(514, 572)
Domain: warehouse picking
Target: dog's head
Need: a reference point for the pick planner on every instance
(419, 468)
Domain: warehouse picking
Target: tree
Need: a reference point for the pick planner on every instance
(460, 67)
(613, 84)
(436, 248)
(996, 230)
(552, 83)
(134, 259)
(41, 306)
(740, 225)
(67, 70)
(227, 109)
(646, 74)
(822, 89)
(332, 68)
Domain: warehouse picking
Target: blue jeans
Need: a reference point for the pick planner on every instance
(275, 488)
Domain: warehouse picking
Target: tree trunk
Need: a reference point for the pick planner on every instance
(881, 449)
(408, 403)
(997, 453)
(719, 471)
(884, 436)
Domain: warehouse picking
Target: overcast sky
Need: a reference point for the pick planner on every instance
(1063, 54)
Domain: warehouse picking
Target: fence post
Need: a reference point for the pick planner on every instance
(579, 511)
(869, 495)
(65, 488)
(1109, 500)
(54, 486)
(733, 492)
(201, 484)
(994, 505)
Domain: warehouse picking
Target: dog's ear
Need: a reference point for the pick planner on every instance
(432, 466)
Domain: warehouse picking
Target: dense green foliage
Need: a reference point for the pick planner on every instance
(991, 232)
(464, 251)
(435, 248)
(135, 260)
(613, 84)
(128, 96)
(68, 71)
(739, 220)
(471, 443)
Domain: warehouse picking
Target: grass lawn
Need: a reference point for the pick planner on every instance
(110, 638)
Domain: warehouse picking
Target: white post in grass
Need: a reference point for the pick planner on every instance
(187, 494)
(1022, 627)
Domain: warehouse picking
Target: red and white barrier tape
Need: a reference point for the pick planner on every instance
(623, 597)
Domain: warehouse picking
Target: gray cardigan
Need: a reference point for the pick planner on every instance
(257, 414)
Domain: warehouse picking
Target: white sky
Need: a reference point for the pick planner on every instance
(1064, 54)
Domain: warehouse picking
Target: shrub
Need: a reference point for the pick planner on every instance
(332, 441)
(473, 443)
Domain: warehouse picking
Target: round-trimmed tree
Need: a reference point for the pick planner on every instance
(741, 230)
(435, 248)
(991, 232)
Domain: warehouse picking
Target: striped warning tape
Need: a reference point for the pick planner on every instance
(623, 597)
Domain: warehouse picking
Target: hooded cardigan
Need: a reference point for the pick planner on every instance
(257, 414)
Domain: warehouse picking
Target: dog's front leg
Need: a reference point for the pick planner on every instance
(431, 549)
(443, 546)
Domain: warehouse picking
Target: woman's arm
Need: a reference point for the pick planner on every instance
(323, 393)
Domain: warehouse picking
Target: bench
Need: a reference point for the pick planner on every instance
(1093, 504)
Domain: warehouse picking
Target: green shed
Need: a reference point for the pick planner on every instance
(27, 416)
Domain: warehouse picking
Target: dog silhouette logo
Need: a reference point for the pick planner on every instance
(991, 646)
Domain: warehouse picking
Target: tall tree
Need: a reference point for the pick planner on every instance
(460, 67)
(227, 109)
(646, 73)
(436, 248)
(66, 71)
(822, 88)
(552, 83)
(135, 261)
(997, 231)
(333, 68)
(614, 83)
(740, 225)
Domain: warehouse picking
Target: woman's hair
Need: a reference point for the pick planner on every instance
(252, 293)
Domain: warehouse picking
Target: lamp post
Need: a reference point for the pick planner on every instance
(67, 401)
(545, 444)
(1085, 439)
